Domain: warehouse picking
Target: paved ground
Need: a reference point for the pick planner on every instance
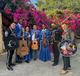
(38, 68)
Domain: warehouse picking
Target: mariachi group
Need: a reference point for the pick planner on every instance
(33, 43)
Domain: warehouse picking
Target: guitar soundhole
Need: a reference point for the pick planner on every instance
(23, 45)
(34, 43)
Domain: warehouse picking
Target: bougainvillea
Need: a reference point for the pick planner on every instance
(31, 16)
(24, 8)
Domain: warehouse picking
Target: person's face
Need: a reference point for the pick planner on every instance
(22, 29)
(35, 27)
(13, 25)
(53, 25)
(64, 27)
(43, 26)
(27, 29)
(20, 21)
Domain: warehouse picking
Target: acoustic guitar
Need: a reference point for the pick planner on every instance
(23, 48)
(35, 45)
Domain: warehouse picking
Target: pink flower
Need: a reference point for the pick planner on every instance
(7, 11)
(73, 27)
(16, 17)
(20, 10)
(25, 23)
(14, 1)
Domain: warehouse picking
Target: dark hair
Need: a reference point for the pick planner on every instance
(7, 19)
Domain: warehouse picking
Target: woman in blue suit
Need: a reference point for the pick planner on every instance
(44, 54)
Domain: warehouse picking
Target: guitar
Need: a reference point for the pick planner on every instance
(34, 43)
(23, 48)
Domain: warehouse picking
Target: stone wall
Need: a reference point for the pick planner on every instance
(1, 40)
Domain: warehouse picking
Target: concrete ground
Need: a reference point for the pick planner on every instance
(39, 68)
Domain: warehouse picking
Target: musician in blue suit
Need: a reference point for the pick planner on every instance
(44, 54)
(35, 37)
(18, 33)
(27, 37)
(18, 29)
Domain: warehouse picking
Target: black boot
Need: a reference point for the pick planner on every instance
(9, 68)
(34, 59)
(12, 64)
(54, 64)
(19, 61)
(27, 61)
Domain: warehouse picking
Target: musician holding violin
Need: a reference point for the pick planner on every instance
(67, 35)
(44, 54)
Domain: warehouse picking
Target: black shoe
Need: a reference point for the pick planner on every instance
(69, 68)
(12, 64)
(35, 59)
(10, 68)
(55, 64)
(18, 61)
(27, 61)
